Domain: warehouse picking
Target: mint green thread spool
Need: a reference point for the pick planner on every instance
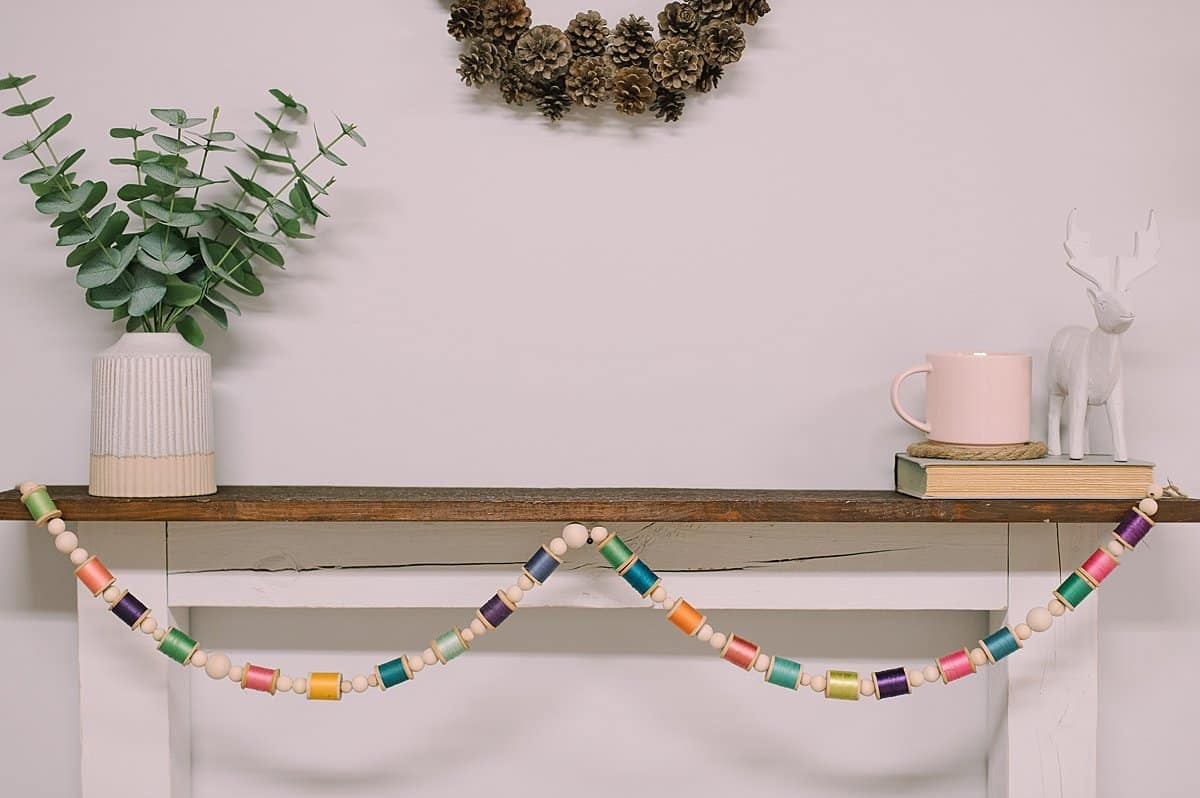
(40, 505)
(1074, 589)
(784, 672)
(449, 645)
(615, 551)
(178, 646)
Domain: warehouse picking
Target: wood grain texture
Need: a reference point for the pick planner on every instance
(599, 505)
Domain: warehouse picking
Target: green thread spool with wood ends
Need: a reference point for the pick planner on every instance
(178, 646)
(842, 685)
(615, 551)
(41, 506)
(449, 645)
(392, 673)
(1000, 643)
(1074, 589)
(784, 672)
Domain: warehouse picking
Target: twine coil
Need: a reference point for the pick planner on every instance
(1030, 450)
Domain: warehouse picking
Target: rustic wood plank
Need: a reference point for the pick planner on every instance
(600, 505)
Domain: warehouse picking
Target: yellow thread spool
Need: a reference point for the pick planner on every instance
(842, 685)
(324, 687)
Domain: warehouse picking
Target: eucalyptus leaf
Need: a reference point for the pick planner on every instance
(190, 330)
(170, 266)
(174, 146)
(302, 202)
(169, 217)
(147, 289)
(83, 230)
(105, 266)
(65, 201)
(120, 312)
(180, 294)
(134, 323)
(133, 191)
(14, 82)
(288, 101)
(176, 117)
(25, 109)
(274, 157)
(239, 219)
(114, 295)
(227, 262)
(30, 146)
(220, 300)
(275, 129)
(179, 178)
(249, 186)
(215, 313)
(216, 135)
(351, 132)
(279, 208)
(265, 251)
(130, 132)
(48, 173)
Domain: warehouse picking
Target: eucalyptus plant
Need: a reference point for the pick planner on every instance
(170, 253)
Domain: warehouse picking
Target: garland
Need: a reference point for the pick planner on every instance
(590, 65)
(748, 656)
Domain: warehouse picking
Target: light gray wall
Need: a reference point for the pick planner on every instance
(721, 302)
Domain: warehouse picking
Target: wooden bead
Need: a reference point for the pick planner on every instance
(817, 684)
(300, 685)
(56, 526)
(1154, 491)
(915, 677)
(931, 673)
(761, 663)
(159, 634)
(346, 686)
(372, 680)
(514, 593)
(283, 684)
(428, 657)
(524, 582)
(1039, 619)
(1148, 506)
(978, 657)
(111, 593)
(705, 634)
(659, 595)
(558, 547)
(66, 542)
(467, 635)
(148, 625)
(477, 627)
(27, 488)
(597, 534)
(199, 658)
(217, 666)
(235, 673)
(575, 535)
(1115, 548)
(1056, 607)
(78, 556)
(415, 664)
(866, 687)
(360, 683)
(717, 641)
(805, 678)
(1022, 631)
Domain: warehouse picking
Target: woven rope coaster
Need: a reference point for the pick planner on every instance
(956, 451)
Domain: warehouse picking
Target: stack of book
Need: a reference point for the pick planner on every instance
(1093, 477)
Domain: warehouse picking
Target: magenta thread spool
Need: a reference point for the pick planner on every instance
(129, 609)
(1133, 527)
(1098, 567)
(891, 683)
(496, 610)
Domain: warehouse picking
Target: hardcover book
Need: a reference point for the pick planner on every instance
(1093, 477)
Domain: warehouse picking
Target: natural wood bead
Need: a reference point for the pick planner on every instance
(597, 534)
(1039, 619)
(56, 526)
(866, 687)
(717, 641)
(300, 685)
(931, 673)
(978, 657)
(283, 684)
(159, 634)
(217, 666)
(347, 686)
(1115, 548)
(1148, 506)
(558, 547)
(659, 595)
(66, 542)
(761, 663)
(235, 673)
(524, 582)
(27, 488)
(148, 625)
(805, 678)
(416, 664)
(705, 634)
(428, 657)
(915, 677)
(1154, 491)
(78, 556)
(817, 684)
(1022, 631)
(1056, 607)
(467, 635)
(199, 658)
(111, 593)
(477, 627)
(372, 680)
(667, 602)
(575, 535)
(514, 593)
(360, 683)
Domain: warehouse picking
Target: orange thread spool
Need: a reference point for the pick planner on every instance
(686, 617)
(94, 576)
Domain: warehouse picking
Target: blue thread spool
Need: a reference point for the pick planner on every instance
(1000, 643)
(541, 565)
(639, 576)
(393, 672)
(784, 672)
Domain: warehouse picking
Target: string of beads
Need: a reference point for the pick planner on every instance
(173, 642)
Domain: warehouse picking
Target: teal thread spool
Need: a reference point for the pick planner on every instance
(640, 577)
(449, 645)
(40, 505)
(1074, 589)
(615, 551)
(1000, 643)
(784, 672)
(392, 673)
(178, 646)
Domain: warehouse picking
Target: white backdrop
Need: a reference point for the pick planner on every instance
(499, 301)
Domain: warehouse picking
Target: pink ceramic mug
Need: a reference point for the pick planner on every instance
(975, 398)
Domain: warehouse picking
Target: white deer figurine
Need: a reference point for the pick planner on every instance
(1085, 367)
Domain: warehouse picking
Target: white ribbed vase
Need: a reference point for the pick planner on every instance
(152, 418)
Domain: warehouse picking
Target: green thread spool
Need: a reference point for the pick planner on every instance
(615, 551)
(41, 506)
(842, 685)
(1074, 589)
(784, 672)
(449, 645)
(178, 646)
(392, 673)
(1000, 643)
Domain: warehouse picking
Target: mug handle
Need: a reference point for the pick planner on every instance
(924, 368)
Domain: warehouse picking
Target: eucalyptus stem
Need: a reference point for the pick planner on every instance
(33, 117)
(254, 172)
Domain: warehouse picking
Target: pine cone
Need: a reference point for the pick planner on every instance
(675, 64)
(710, 76)
(679, 19)
(747, 12)
(505, 20)
(466, 19)
(515, 84)
(588, 33)
(544, 51)
(589, 80)
(722, 42)
(633, 90)
(483, 63)
(632, 42)
(710, 10)
(553, 101)
(668, 104)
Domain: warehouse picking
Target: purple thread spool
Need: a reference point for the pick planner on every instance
(1133, 527)
(129, 609)
(891, 683)
(495, 610)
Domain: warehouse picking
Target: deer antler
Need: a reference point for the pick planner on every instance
(1081, 260)
(1145, 255)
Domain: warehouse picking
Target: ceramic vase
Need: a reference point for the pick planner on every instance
(152, 418)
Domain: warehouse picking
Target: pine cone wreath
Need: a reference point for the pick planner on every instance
(588, 33)
(722, 42)
(710, 10)
(553, 101)
(632, 42)
(516, 87)
(633, 90)
(544, 51)
(668, 104)
(589, 80)
(466, 19)
(505, 21)
(710, 76)
(747, 12)
(483, 63)
(679, 19)
(676, 63)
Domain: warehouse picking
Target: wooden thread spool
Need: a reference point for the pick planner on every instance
(449, 645)
(178, 646)
(324, 687)
(955, 665)
(264, 680)
(639, 576)
(686, 617)
(1099, 566)
(614, 551)
(129, 609)
(1000, 643)
(784, 673)
(740, 652)
(1074, 589)
(40, 506)
(541, 565)
(495, 610)
(842, 685)
(393, 672)
(94, 576)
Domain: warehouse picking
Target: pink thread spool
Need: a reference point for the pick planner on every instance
(740, 652)
(1097, 567)
(94, 576)
(956, 665)
(262, 679)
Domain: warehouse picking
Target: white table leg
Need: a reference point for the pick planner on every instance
(1043, 705)
(133, 701)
